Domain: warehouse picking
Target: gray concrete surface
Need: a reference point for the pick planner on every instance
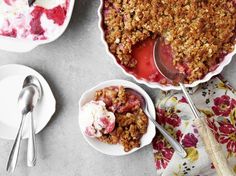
(72, 64)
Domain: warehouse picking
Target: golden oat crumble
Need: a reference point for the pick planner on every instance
(131, 121)
(200, 32)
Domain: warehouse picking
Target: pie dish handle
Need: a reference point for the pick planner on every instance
(213, 149)
(16, 45)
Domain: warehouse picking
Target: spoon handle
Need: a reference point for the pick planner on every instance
(31, 151)
(11, 164)
(175, 144)
(190, 102)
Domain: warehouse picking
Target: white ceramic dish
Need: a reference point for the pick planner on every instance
(11, 81)
(20, 45)
(117, 150)
(218, 70)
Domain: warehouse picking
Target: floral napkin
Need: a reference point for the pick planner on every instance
(217, 100)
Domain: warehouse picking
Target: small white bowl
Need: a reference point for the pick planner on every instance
(167, 87)
(117, 149)
(24, 45)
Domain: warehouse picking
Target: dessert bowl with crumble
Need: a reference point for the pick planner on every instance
(25, 24)
(111, 118)
(199, 37)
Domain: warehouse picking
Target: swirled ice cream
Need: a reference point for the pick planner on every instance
(96, 119)
(40, 21)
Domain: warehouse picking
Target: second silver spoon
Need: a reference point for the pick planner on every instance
(31, 150)
(27, 100)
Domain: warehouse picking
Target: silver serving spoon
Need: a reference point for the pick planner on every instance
(175, 144)
(27, 100)
(172, 74)
(31, 150)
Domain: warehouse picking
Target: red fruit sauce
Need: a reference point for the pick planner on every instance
(57, 14)
(145, 68)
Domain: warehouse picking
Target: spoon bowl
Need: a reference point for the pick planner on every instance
(167, 70)
(33, 80)
(28, 98)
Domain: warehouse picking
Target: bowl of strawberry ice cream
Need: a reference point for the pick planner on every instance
(25, 24)
(96, 119)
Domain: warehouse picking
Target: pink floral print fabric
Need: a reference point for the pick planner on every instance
(216, 100)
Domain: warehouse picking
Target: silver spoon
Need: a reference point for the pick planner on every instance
(172, 74)
(31, 150)
(176, 145)
(27, 100)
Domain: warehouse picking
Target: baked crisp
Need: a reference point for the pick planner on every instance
(200, 32)
(131, 121)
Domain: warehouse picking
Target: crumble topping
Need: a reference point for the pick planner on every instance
(131, 122)
(200, 32)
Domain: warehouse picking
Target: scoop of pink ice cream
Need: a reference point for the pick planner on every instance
(96, 119)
